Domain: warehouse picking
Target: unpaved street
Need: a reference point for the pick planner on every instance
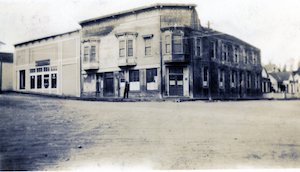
(39, 133)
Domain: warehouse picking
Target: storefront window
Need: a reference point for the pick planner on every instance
(134, 80)
(32, 82)
(151, 78)
(53, 80)
(46, 80)
(39, 81)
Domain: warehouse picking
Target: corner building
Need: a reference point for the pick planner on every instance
(163, 51)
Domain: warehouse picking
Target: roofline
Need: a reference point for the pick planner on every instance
(219, 35)
(43, 38)
(138, 9)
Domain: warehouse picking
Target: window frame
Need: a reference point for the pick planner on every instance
(122, 45)
(129, 47)
(148, 46)
(168, 44)
(178, 44)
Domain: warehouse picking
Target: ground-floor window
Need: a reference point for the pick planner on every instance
(221, 79)
(233, 79)
(39, 81)
(32, 82)
(134, 80)
(151, 79)
(53, 80)
(46, 80)
(43, 77)
(248, 80)
(22, 79)
(205, 76)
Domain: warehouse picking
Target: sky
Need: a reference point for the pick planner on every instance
(271, 25)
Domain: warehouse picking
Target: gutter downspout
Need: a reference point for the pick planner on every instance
(161, 62)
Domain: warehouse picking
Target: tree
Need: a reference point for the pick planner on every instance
(284, 68)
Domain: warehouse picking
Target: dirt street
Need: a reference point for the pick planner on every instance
(39, 133)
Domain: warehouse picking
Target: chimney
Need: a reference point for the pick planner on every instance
(208, 24)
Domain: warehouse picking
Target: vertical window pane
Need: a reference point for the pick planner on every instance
(86, 54)
(39, 81)
(129, 48)
(177, 44)
(93, 54)
(46, 80)
(53, 80)
(168, 44)
(32, 82)
(212, 49)
(122, 48)
(148, 46)
(198, 42)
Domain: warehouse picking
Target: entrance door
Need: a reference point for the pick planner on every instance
(176, 81)
(108, 84)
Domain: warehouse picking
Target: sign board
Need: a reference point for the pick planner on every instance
(42, 62)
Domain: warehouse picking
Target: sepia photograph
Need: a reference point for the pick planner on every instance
(91, 85)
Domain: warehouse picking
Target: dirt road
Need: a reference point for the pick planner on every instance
(39, 133)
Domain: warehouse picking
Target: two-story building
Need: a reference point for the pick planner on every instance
(163, 51)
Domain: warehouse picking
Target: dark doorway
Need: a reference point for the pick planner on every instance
(22, 79)
(176, 81)
(108, 84)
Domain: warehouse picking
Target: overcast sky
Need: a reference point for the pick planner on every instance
(271, 25)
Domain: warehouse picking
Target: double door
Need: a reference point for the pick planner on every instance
(176, 81)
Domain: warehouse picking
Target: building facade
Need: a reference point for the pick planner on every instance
(49, 65)
(163, 51)
(6, 71)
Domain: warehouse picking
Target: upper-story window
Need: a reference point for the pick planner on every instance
(93, 54)
(245, 57)
(90, 49)
(122, 48)
(177, 44)
(168, 43)
(212, 49)
(86, 54)
(224, 52)
(198, 47)
(148, 46)
(236, 55)
(126, 43)
(254, 57)
(129, 47)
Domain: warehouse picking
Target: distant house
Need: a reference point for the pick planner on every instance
(293, 83)
(279, 81)
(6, 71)
(266, 82)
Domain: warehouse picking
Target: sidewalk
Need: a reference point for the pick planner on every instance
(145, 99)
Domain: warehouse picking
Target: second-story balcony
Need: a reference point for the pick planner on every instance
(90, 65)
(127, 61)
(176, 58)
